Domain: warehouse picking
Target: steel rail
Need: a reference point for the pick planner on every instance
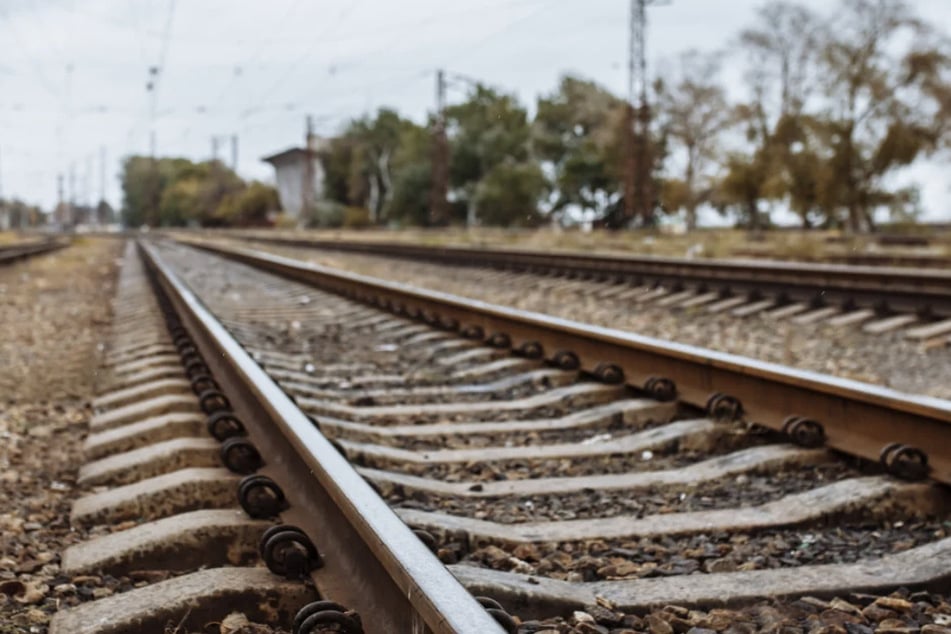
(12, 253)
(886, 289)
(373, 562)
(856, 418)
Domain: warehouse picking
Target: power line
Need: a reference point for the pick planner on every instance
(24, 51)
(239, 69)
(315, 41)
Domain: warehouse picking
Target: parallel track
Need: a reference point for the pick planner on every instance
(886, 290)
(15, 252)
(554, 466)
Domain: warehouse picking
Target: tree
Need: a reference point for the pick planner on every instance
(359, 163)
(782, 74)
(485, 131)
(175, 191)
(412, 178)
(508, 195)
(576, 133)
(248, 207)
(694, 111)
(886, 93)
(143, 181)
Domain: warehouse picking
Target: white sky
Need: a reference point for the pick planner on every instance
(73, 73)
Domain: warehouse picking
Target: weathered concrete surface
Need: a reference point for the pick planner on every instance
(142, 410)
(161, 496)
(147, 346)
(189, 601)
(886, 497)
(130, 380)
(178, 543)
(632, 413)
(138, 365)
(758, 459)
(143, 433)
(150, 461)
(688, 433)
(143, 392)
(576, 395)
(537, 597)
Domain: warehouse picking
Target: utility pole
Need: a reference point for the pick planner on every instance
(102, 185)
(60, 201)
(307, 187)
(102, 172)
(154, 193)
(438, 204)
(214, 148)
(87, 189)
(71, 203)
(638, 182)
(234, 153)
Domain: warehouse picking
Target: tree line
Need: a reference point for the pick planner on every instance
(834, 106)
(179, 192)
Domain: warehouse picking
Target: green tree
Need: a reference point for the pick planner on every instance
(175, 191)
(412, 178)
(508, 195)
(485, 131)
(360, 164)
(248, 207)
(576, 132)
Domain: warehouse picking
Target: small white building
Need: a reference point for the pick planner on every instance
(298, 185)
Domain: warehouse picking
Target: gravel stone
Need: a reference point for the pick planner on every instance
(886, 359)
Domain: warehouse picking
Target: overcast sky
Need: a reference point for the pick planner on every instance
(73, 73)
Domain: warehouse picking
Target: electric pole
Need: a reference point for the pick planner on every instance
(638, 181)
(307, 188)
(234, 153)
(438, 205)
(60, 201)
(154, 193)
(214, 148)
(102, 186)
(70, 205)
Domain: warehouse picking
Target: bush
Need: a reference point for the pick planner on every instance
(326, 214)
(356, 218)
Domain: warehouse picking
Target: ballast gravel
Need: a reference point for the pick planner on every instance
(54, 309)
(888, 359)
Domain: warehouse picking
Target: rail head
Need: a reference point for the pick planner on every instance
(13, 252)
(386, 566)
(855, 417)
(618, 261)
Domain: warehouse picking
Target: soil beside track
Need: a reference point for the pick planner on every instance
(54, 310)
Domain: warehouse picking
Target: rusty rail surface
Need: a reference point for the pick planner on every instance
(16, 252)
(885, 289)
(910, 434)
(373, 563)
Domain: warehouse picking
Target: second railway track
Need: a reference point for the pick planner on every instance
(586, 480)
(877, 299)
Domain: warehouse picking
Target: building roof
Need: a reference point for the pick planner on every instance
(286, 155)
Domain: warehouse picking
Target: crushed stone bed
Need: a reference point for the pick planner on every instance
(742, 490)
(846, 352)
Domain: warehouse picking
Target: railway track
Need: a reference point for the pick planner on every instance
(14, 252)
(877, 299)
(403, 451)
